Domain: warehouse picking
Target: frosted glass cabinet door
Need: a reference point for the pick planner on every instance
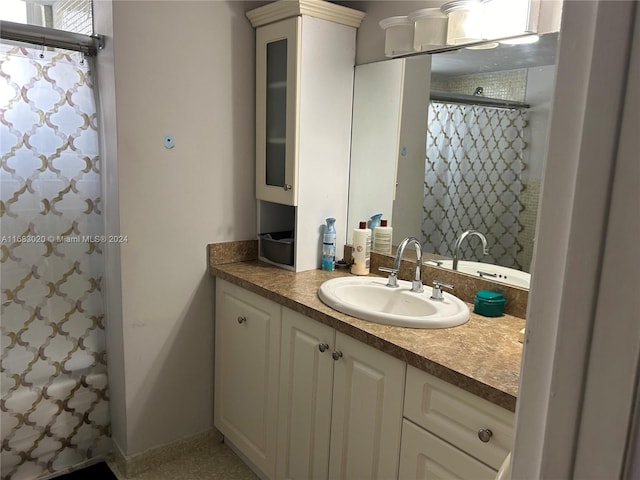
(247, 353)
(276, 100)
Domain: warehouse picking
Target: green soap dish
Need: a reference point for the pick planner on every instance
(488, 303)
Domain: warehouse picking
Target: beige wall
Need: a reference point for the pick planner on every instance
(186, 69)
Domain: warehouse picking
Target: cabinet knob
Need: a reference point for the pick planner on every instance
(323, 347)
(241, 319)
(286, 187)
(336, 355)
(485, 435)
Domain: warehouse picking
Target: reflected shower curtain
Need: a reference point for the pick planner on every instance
(473, 180)
(54, 404)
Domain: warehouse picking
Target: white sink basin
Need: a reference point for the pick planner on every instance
(369, 298)
(497, 273)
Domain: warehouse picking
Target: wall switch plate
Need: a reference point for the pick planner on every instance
(168, 141)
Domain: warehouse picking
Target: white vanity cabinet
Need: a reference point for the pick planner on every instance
(340, 405)
(451, 433)
(247, 355)
(300, 400)
(305, 57)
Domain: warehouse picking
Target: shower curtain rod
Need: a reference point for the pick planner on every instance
(50, 37)
(448, 97)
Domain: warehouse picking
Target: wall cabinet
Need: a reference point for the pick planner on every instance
(451, 433)
(305, 56)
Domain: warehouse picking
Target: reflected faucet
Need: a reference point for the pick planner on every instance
(465, 234)
(416, 283)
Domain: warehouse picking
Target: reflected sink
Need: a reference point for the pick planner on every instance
(369, 298)
(497, 273)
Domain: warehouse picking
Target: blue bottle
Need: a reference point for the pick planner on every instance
(329, 245)
(374, 222)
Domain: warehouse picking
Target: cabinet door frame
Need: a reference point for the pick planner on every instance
(360, 371)
(306, 386)
(259, 334)
(289, 30)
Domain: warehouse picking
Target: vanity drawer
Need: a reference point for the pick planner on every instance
(425, 456)
(458, 416)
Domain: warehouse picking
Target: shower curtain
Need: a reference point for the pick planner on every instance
(473, 180)
(54, 405)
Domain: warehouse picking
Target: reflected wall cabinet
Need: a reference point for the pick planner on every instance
(305, 56)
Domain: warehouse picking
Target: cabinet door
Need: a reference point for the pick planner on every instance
(277, 79)
(366, 422)
(247, 351)
(306, 375)
(425, 457)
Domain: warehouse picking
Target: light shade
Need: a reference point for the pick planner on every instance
(477, 20)
(398, 35)
(506, 18)
(465, 23)
(430, 29)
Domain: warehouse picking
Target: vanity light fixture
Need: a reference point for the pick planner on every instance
(398, 39)
(465, 21)
(472, 21)
(430, 29)
(507, 18)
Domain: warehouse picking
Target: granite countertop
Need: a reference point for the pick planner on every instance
(482, 356)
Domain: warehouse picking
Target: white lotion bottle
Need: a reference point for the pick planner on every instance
(361, 254)
(382, 235)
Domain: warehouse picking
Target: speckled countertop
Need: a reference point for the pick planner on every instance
(482, 356)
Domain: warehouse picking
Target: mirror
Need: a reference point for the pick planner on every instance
(471, 158)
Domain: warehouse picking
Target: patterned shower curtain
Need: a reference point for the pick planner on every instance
(54, 403)
(473, 180)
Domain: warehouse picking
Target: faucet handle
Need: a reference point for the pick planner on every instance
(392, 281)
(432, 260)
(437, 290)
(392, 271)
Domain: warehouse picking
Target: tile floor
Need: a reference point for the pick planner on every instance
(210, 461)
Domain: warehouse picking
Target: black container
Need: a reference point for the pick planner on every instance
(277, 247)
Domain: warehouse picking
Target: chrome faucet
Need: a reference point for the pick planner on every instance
(416, 283)
(465, 234)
